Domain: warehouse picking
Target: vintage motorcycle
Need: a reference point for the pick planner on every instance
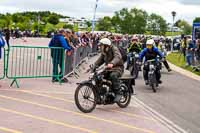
(134, 67)
(153, 65)
(98, 90)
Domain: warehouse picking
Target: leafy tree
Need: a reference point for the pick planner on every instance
(116, 23)
(7, 20)
(49, 27)
(177, 22)
(104, 24)
(196, 20)
(2, 23)
(157, 25)
(88, 23)
(133, 21)
(185, 26)
(68, 26)
(53, 19)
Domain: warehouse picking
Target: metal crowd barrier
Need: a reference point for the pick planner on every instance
(2, 63)
(69, 63)
(41, 62)
(34, 62)
(78, 57)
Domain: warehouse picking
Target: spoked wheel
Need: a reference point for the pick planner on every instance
(85, 98)
(153, 82)
(126, 97)
(133, 70)
(153, 88)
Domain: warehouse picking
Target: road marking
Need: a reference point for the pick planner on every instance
(134, 115)
(128, 114)
(61, 99)
(9, 130)
(52, 97)
(46, 92)
(46, 120)
(79, 114)
(162, 119)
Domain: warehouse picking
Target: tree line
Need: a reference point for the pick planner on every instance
(137, 21)
(133, 21)
(42, 20)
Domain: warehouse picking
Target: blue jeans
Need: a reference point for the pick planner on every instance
(189, 59)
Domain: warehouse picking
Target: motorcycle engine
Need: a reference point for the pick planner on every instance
(104, 89)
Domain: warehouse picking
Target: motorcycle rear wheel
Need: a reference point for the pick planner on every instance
(126, 97)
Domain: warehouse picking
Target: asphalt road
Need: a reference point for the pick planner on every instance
(177, 99)
(40, 106)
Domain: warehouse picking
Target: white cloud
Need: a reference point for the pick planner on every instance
(186, 9)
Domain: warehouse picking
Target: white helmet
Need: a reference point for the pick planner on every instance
(105, 41)
(150, 42)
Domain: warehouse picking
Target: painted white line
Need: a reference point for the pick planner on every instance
(9, 130)
(35, 91)
(160, 118)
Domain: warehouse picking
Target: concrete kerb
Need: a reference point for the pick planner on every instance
(184, 72)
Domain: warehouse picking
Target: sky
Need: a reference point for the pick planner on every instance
(186, 9)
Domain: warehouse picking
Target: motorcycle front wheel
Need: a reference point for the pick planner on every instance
(153, 82)
(85, 98)
(133, 71)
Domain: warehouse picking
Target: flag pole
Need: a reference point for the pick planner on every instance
(94, 17)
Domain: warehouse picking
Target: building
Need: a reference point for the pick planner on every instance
(175, 28)
(73, 21)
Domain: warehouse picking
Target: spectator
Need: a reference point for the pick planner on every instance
(2, 43)
(7, 36)
(184, 46)
(58, 40)
(68, 38)
(198, 52)
(189, 53)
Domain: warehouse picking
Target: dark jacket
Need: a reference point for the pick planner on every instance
(113, 56)
(7, 34)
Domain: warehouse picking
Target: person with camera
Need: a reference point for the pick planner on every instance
(133, 47)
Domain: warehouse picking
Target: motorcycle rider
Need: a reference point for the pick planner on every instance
(159, 46)
(111, 56)
(150, 52)
(134, 46)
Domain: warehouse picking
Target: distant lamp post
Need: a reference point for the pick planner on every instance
(173, 15)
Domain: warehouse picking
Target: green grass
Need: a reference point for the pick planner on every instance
(172, 34)
(178, 60)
